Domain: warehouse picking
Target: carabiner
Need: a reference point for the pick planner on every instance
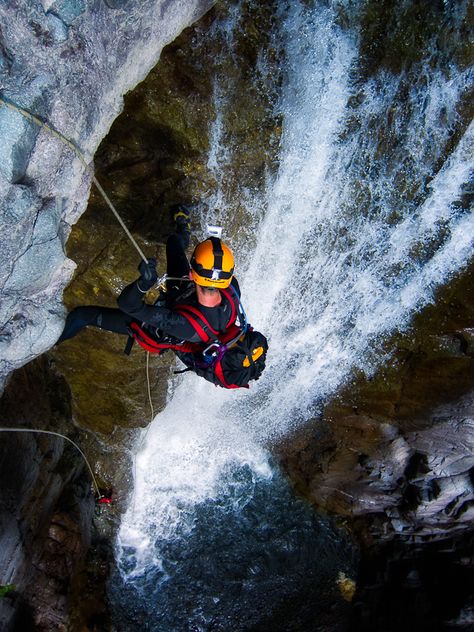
(206, 350)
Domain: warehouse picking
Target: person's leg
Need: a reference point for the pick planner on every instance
(177, 264)
(102, 317)
(182, 217)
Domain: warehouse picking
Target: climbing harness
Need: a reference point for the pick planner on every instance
(230, 359)
(100, 498)
(82, 158)
(210, 338)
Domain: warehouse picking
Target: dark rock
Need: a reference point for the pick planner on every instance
(398, 448)
(45, 501)
(402, 587)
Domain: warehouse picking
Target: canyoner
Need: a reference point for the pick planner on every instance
(198, 313)
(229, 355)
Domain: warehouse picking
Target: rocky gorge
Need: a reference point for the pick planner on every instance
(388, 452)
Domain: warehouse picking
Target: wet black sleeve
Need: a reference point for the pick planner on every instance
(131, 302)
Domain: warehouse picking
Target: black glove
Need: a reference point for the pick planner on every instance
(149, 275)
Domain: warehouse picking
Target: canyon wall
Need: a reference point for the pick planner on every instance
(390, 454)
(68, 63)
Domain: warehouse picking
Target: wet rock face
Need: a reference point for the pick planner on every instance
(45, 502)
(395, 451)
(70, 64)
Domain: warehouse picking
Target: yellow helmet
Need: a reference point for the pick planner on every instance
(212, 264)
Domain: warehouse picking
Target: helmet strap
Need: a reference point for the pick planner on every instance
(218, 252)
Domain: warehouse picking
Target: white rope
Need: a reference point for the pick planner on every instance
(80, 155)
(144, 436)
(58, 434)
(148, 385)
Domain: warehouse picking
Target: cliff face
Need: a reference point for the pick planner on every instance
(396, 450)
(70, 64)
(391, 454)
(46, 505)
(393, 450)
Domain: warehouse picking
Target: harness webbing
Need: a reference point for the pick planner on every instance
(151, 344)
(220, 374)
(191, 313)
(187, 311)
(201, 326)
(218, 252)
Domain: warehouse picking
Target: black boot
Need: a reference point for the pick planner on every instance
(182, 218)
(78, 319)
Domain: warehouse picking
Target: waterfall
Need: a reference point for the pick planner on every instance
(362, 224)
(363, 220)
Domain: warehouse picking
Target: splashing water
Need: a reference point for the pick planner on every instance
(363, 222)
(359, 229)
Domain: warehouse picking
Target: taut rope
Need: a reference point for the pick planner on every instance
(58, 434)
(82, 158)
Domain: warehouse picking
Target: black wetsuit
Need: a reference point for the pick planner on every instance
(160, 319)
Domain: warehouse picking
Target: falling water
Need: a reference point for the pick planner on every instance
(364, 219)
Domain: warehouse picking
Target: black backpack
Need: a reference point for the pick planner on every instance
(237, 366)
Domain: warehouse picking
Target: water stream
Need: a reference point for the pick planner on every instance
(364, 219)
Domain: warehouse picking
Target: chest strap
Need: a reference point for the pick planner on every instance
(199, 323)
(203, 327)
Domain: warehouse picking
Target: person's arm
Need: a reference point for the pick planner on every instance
(131, 302)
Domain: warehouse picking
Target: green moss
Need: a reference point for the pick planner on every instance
(6, 589)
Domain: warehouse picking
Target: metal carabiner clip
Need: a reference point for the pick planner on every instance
(206, 353)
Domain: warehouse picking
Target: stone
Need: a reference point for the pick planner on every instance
(28, 275)
(57, 29)
(117, 4)
(67, 10)
(33, 271)
(18, 139)
(37, 473)
(16, 226)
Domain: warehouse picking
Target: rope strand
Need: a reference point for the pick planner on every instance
(58, 434)
(82, 158)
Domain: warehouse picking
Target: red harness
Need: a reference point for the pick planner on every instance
(199, 323)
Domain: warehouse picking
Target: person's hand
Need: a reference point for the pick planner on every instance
(148, 274)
